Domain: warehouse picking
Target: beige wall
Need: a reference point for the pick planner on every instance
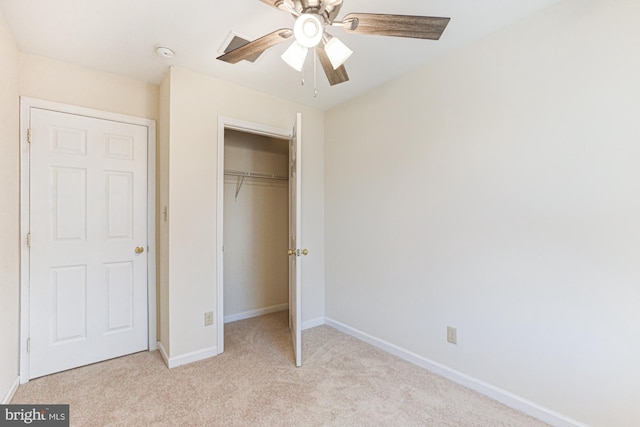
(497, 191)
(256, 225)
(196, 101)
(9, 213)
(52, 80)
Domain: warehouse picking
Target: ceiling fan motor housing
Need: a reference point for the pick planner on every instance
(328, 9)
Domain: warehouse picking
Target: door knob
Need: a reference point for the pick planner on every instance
(139, 249)
(298, 252)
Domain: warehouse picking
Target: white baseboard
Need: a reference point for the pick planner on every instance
(516, 402)
(12, 391)
(268, 310)
(185, 359)
(255, 313)
(312, 323)
(163, 353)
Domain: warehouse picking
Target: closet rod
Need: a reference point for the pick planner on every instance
(243, 175)
(256, 175)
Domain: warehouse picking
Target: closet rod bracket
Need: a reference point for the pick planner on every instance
(239, 186)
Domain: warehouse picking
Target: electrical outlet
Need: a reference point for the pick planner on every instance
(208, 318)
(452, 335)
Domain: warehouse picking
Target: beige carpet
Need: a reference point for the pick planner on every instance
(343, 382)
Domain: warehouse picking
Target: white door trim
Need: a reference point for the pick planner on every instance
(25, 105)
(248, 127)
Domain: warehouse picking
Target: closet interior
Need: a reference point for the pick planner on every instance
(256, 218)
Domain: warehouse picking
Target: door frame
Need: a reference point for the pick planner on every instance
(26, 104)
(247, 127)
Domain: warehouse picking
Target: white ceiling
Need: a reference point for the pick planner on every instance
(120, 36)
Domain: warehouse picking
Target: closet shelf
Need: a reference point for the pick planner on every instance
(255, 175)
(243, 175)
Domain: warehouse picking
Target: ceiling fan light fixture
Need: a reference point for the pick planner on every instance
(295, 55)
(308, 30)
(312, 18)
(337, 52)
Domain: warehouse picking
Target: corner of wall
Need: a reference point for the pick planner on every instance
(162, 197)
(9, 214)
(12, 391)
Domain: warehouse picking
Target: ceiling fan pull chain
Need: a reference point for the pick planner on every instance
(302, 77)
(315, 74)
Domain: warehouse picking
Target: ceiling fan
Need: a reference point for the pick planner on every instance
(312, 17)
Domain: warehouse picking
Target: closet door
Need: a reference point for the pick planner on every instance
(295, 318)
(88, 255)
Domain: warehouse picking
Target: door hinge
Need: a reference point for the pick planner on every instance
(29, 136)
(28, 345)
(28, 240)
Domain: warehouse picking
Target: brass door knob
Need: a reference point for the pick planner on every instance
(298, 252)
(139, 249)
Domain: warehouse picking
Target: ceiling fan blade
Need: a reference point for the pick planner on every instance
(257, 46)
(336, 76)
(418, 27)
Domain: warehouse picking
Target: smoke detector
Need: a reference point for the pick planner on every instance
(164, 52)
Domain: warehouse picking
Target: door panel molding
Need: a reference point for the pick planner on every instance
(71, 142)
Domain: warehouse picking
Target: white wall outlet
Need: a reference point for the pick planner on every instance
(452, 335)
(208, 318)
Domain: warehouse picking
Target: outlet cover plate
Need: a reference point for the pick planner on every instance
(452, 335)
(208, 318)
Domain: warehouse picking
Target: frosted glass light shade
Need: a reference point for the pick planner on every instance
(295, 55)
(337, 52)
(308, 30)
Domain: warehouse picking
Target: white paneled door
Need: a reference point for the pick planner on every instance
(88, 248)
(295, 277)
